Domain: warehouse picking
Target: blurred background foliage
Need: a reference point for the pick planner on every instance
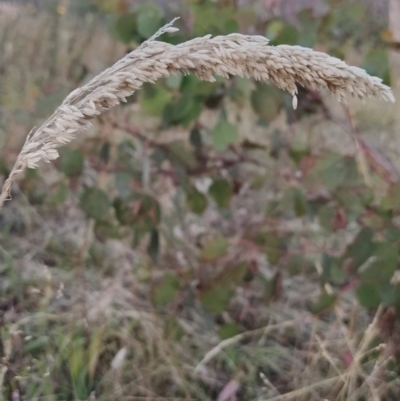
(197, 211)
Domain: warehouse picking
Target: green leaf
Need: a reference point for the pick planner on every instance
(138, 210)
(297, 151)
(228, 330)
(174, 81)
(216, 299)
(298, 264)
(334, 170)
(384, 264)
(360, 250)
(279, 32)
(45, 103)
(376, 63)
(196, 139)
(332, 270)
(71, 162)
(368, 295)
(123, 183)
(391, 201)
(214, 249)
(95, 203)
(353, 203)
(309, 28)
(223, 135)
(274, 245)
(326, 214)
(221, 191)
(153, 248)
(250, 145)
(106, 230)
(155, 100)
(166, 290)
(58, 196)
(388, 294)
(267, 101)
(392, 234)
(149, 19)
(231, 276)
(173, 330)
(124, 28)
(185, 110)
(295, 200)
(240, 90)
(182, 153)
(195, 200)
(325, 302)
(211, 19)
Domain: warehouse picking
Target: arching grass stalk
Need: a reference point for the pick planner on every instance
(242, 55)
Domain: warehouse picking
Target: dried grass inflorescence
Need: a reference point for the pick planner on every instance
(242, 55)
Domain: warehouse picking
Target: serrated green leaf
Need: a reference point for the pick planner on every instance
(221, 191)
(353, 203)
(360, 250)
(155, 100)
(138, 210)
(95, 203)
(104, 152)
(228, 330)
(104, 229)
(388, 294)
(196, 201)
(280, 32)
(166, 290)
(173, 330)
(298, 264)
(334, 170)
(267, 101)
(223, 135)
(376, 63)
(384, 264)
(183, 111)
(153, 248)
(326, 214)
(240, 90)
(231, 276)
(174, 81)
(309, 28)
(71, 162)
(216, 299)
(332, 270)
(123, 184)
(324, 303)
(180, 152)
(275, 246)
(196, 139)
(391, 201)
(392, 234)
(295, 200)
(149, 19)
(58, 196)
(214, 249)
(124, 28)
(368, 295)
(297, 151)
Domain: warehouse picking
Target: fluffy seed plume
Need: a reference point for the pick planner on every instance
(242, 55)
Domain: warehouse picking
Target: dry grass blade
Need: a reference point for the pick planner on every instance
(235, 54)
